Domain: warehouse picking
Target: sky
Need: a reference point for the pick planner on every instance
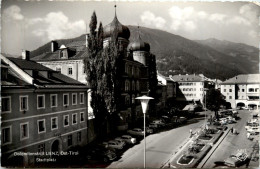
(31, 24)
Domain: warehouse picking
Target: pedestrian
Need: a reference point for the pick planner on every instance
(232, 130)
(190, 132)
(248, 136)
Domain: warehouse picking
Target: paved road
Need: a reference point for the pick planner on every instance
(232, 143)
(160, 147)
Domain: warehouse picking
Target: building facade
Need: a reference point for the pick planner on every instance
(69, 60)
(190, 88)
(242, 91)
(42, 111)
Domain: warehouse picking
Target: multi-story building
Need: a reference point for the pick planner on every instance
(170, 85)
(190, 88)
(242, 90)
(68, 59)
(42, 111)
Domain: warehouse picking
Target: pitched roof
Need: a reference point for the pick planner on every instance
(54, 79)
(78, 46)
(187, 78)
(244, 79)
(28, 64)
(13, 78)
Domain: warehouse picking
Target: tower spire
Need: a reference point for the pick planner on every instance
(115, 9)
(139, 31)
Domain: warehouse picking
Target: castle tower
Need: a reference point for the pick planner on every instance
(116, 30)
(140, 50)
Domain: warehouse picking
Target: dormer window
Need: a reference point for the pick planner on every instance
(63, 52)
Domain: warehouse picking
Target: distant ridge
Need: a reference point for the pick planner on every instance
(178, 55)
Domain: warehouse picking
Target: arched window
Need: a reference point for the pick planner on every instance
(133, 85)
(137, 85)
(127, 100)
(126, 68)
(127, 85)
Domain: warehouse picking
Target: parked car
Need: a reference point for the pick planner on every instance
(216, 123)
(136, 132)
(120, 140)
(101, 154)
(223, 121)
(236, 160)
(254, 130)
(166, 119)
(182, 119)
(250, 125)
(244, 108)
(159, 122)
(128, 139)
(148, 130)
(234, 111)
(153, 126)
(115, 144)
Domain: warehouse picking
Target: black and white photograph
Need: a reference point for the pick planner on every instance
(130, 84)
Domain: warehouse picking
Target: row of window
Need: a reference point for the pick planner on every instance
(131, 70)
(230, 90)
(24, 99)
(253, 90)
(24, 127)
(134, 87)
(230, 97)
(189, 95)
(189, 89)
(41, 147)
(70, 70)
(243, 90)
(187, 84)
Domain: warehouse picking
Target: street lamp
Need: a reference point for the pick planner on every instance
(144, 102)
(205, 90)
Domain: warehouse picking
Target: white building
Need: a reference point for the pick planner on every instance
(242, 90)
(190, 87)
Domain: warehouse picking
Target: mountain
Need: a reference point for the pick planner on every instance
(246, 56)
(178, 55)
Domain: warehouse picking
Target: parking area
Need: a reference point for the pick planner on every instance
(234, 144)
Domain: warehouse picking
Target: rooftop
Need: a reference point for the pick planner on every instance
(244, 79)
(187, 78)
(42, 76)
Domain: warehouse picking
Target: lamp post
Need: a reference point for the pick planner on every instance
(144, 102)
(205, 90)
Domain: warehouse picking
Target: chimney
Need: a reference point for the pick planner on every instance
(25, 55)
(54, 46)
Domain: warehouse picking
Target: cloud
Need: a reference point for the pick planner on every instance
(149, 19)
(250, 12)
(217, 17)
(58, 26)
(183, 19)
(252, 33)
(181, 14)
(13, 13)
(238, 20)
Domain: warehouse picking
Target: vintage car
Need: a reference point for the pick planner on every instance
(128, 139)
(236, 160)
(101, 154)
(136, 132)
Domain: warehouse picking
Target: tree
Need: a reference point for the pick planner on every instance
(103, 66)
(214, 99)
(94, 71)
